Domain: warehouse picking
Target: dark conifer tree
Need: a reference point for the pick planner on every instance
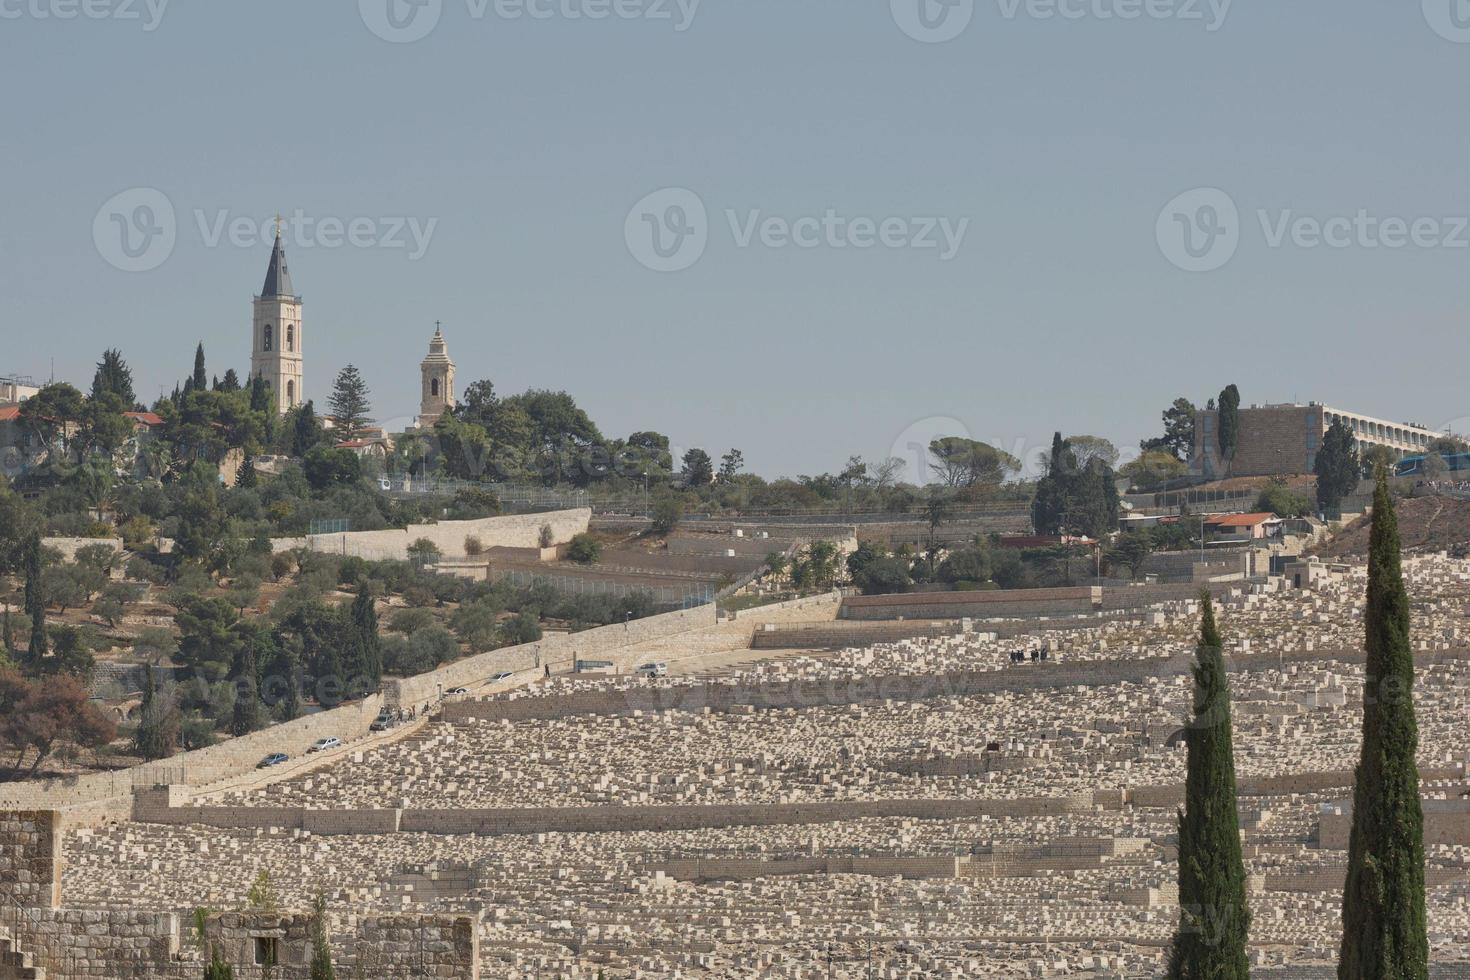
(35, 603)
(1384, 933)
(1214, 918)
(200, 379)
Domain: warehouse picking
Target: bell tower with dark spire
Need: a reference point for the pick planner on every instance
(277, 340)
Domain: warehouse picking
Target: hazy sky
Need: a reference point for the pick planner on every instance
(988, 243)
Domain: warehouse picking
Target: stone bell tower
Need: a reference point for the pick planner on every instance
(276, 345)
(437, 372)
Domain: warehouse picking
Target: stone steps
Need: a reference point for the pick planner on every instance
(15, 964)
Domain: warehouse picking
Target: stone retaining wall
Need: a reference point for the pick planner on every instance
(511, 531)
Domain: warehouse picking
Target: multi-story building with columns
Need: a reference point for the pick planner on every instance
(276, 336)
(1278, 440)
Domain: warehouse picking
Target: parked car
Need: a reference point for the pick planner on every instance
(274, 759)
(458, 690)
(653, 670)
(504, 675)
(325, 744)
(383, 722)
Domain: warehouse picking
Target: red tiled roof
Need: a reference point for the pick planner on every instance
(147, 418)
(357, 443)
(9, 413)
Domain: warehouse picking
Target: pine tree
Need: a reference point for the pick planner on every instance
(1384, 930)
(114, 377)
(365, 626)
(349, 402)
(35, 602)
(200, 379)
(246, 477)
(321, 950)
(1214, 918)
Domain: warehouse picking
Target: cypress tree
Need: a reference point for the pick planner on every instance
(1384, 929)
(1214, 917)
(246, 716)
(155, 738)
(35, 602)
(218, 969)
(321, 952)
(365, 625)
(200, 379)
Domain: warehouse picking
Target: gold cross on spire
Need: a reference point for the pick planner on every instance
(278, 224)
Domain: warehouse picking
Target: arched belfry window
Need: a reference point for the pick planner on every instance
(434, 387)
(267, 340)
(290, 393)
(290, 337)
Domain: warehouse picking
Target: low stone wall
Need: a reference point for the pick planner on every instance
(154, 808)
(1446, 822)
(743, 869)
(560, 652)
(994, 604)
(512, 531)
(91, 794)
(70, 546)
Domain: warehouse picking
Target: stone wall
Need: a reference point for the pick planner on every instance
(996, 603)
(198, 768)
(30, 859)
(512, 531)
(93, 944)
(560, 651)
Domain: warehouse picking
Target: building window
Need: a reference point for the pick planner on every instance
(434, 388)
(267, 952)
(290, 337)
(290, 393)
(268, 334)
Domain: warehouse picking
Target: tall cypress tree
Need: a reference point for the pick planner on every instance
(1214, 917)
(200, 379)
(35, 602)
(1384, 932)
(365, 625)
(321, 950)
(246, 716)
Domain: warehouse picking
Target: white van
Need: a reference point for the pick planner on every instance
(653, 670)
